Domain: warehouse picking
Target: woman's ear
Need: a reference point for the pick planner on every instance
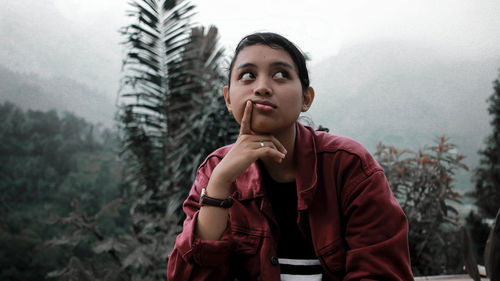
(227, 98)
(308, 99)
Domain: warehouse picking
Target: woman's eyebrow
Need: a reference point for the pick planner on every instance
(282, 63)
(277, 63)
(245, 65)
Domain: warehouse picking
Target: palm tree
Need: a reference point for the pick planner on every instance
(154, 47)
(199, 119)
(173, 113)
(172, 116)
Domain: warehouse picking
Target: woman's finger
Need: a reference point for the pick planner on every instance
(268, 150)
(245, 127)
(276, 143)
(280, 147)
(269, 147)
(266, 143)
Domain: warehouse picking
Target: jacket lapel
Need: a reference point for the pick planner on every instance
(305, 166)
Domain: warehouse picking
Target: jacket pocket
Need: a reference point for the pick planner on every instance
(245, 262)
(333, 257)
(246, 243)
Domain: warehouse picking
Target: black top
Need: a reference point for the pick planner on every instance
(283, 198)
(295, 252)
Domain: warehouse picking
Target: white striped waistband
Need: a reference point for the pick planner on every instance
(299, 262)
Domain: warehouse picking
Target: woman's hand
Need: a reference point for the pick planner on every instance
(248, 148)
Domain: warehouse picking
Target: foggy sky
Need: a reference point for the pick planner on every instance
(79, 39)
(321, 27)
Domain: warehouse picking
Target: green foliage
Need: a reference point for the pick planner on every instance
(468, 254)
(46, 161)
(487, 190)
(155, 86)
(487, 179)
(172, 116)
(479, 234)
(87, 230)
(173, 112)
(21, 260)
(175, 118)
(199, 114)
(423, 184)
(153, 77)
(491, 249)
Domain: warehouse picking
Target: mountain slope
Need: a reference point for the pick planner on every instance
(36, 38)
(30, 91)
(404, 94)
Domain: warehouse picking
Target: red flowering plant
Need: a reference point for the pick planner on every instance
(423, 183)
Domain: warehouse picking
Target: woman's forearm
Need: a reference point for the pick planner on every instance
(212, 221)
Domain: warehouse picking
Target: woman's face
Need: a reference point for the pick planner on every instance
(267, 77)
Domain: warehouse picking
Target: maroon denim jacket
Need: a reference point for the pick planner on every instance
(345, 207)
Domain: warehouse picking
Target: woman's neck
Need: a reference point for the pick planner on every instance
(284, 171)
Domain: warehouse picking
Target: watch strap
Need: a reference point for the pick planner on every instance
(206, 200)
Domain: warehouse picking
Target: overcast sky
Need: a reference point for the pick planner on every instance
(467, 29)
(321, 27)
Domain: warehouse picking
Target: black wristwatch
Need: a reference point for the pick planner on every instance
(206, 200)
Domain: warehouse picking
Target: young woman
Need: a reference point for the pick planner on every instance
(285, 201)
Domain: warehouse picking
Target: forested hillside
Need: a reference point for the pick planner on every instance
(47, 161)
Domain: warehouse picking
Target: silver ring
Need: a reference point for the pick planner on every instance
(261, 144)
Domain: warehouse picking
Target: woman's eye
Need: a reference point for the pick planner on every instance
(247, 76)
(281, 75)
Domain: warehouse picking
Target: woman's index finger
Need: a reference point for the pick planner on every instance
(246, 127)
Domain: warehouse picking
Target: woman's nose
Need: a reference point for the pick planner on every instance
(263, 89)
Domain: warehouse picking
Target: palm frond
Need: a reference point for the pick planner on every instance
(172, 113)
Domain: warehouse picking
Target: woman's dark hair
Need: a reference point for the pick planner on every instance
(275, 41)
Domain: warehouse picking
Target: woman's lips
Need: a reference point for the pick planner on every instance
(264, 106)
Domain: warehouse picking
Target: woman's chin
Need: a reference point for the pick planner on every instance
(264, 128)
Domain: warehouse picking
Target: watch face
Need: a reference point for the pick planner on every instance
(201, 196)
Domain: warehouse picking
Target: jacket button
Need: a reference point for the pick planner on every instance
(274, 260)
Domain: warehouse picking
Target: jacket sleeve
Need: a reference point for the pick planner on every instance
(193, 258)
(376, 231)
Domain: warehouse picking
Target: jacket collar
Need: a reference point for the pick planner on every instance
(305, 158)
(305, 166)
